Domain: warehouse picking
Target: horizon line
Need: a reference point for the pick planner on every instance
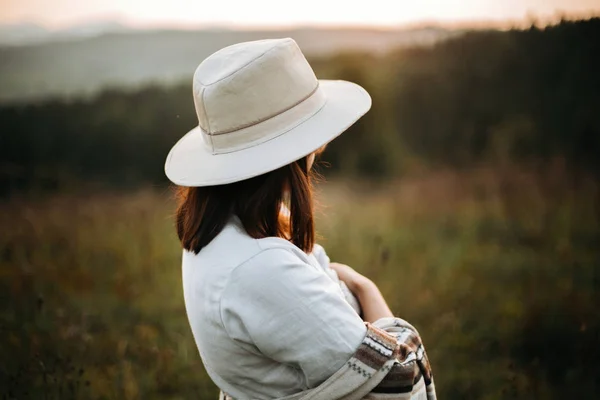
(531, 19)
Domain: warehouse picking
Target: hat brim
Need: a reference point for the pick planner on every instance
(191, 163)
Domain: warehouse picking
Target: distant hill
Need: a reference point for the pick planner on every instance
(74, 66)
(28, 33)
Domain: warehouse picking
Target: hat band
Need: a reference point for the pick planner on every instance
(266, 130)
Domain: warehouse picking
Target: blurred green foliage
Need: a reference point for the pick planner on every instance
(483, 97)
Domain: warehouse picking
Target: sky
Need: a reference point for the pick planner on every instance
(248, 13)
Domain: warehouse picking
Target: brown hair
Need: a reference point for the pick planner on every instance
(204, 211)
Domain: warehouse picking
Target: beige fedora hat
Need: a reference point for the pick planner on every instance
(259, 107)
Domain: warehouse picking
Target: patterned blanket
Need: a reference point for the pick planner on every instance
(390, 364)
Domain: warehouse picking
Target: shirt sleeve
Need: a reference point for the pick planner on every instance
(323, 260)
(292, 313)
(321, 256)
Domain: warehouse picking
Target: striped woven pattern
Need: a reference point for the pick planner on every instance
(390, 364)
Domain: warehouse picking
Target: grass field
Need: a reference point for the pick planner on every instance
(499, 271)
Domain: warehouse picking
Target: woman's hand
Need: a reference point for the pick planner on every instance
(350, 277)
(370, 298)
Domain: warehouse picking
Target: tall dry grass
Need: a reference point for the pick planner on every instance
(497, 268)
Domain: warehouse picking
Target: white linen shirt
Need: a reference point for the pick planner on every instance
(267, 318)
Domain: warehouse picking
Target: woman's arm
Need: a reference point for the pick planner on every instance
(292, 313)
(370, 298)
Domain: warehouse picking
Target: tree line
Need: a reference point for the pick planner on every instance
(488, 97)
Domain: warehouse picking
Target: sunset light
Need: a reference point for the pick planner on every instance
(192, 14)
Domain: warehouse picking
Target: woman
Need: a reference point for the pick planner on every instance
(268, 313)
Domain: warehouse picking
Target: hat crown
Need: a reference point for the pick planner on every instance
(249, 83)
(259, 108)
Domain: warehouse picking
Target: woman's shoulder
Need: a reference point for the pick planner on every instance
(271, 259)
(274, 245)
(274, 257)
(233, 247)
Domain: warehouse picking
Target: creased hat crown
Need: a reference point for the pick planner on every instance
(246, 85)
